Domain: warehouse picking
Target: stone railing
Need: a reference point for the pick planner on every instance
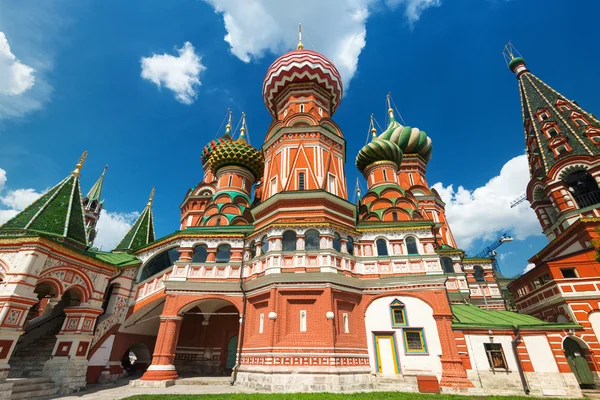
(152, 285)
(116, 316)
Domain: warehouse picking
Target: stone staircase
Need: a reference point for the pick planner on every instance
(591, 393)
(32, 388)
(28, 359)
(207, 380)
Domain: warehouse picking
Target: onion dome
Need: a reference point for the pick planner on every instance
(238, 152)
(410, 140)
(301, 66)
(378, 150)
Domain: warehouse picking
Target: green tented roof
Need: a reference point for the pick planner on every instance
(140, 234)
(57, 213)
(96, 191)
(470, 316)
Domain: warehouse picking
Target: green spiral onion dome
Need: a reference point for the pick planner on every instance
(208, 149)
(410, 140)
(239, 153)
(378, 150)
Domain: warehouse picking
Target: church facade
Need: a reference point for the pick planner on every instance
(278, 281)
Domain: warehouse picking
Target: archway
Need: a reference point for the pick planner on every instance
(576, 357)
(207, 343)
(136, 360)
(41, 328)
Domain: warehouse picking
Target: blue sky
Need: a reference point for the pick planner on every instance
(79, 85)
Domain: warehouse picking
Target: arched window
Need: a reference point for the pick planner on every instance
(447, 265)
(350, 245)
(382, 249)
(289, 241)
(337, 243)
(223, 253)
(411, 245)
(583, 188)
(394, 216)
(264, 245)
(311, 238)
(478, 274)
(252, 249)
(159, 263)
(200, 254)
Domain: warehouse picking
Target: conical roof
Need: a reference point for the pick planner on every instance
(141, 232)
(555, 127)
(96, 191)
(57, 213)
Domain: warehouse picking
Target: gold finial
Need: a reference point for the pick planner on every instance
(389, 104)
(151, 198)
(228, 126)
(77, 170)
(508, 49)
(373, 130)
(105, 168)
(242, 137)
(300, 45)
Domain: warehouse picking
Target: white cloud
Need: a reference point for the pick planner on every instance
(15, 77)
(485, 213)
(181, 74)
(14, 201)
(529, 267)
(335, 28)
(2, 178)
(112, 228)
(414, 8)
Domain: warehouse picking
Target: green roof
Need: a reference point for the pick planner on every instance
(141, 233)
(96, 191)
(470, 316)
(57, 213)
(117, 259)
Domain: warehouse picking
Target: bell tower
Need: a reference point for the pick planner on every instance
(562, 143)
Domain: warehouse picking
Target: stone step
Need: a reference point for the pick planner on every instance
(591, 393)
(34, 394)
(205, 380)
(18, 382)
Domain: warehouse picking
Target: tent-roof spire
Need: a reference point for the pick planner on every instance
(96, 191)
(141, 232)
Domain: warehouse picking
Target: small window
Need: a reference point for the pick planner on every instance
(350, 245)
(301, 107)
(564, 108)
(300, 180)
(478, 274)
(411, 245)
(346, 325)
(337, 243)
(230, 181)
(273, 186)
(311, 240)
(321, 111)
(398, 313)
(495, 356)
(289, 241)
(414, 341)
(218, 222)
(580, 122)
(382, 249)
(200, 254)
(384, 175)
(223, 253)
(447, 265)
(410, 179)
(394, 216)
(264, 245)
(332, 186)
(551, 131)
(261, 324)
(303, 321)
(252, 249)
(569, 273)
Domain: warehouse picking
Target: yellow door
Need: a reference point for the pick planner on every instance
(386, 355)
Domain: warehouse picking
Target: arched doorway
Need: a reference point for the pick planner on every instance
(136, 360)
(44, 321)
(207, 343)
(575, 354)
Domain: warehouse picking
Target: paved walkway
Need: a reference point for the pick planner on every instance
(121, 389)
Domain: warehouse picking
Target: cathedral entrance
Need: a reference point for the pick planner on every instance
(207, 344)
(386, 354)
(576, 357)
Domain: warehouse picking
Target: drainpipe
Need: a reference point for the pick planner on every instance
(514, 344)
(243, 322)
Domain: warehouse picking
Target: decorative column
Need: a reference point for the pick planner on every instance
(68, 366)
(163, 366)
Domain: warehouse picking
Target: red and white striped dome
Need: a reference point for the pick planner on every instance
(298, 66)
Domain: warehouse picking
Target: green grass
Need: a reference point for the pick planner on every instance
(323, 396)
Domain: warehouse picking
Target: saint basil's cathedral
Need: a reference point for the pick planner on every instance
(275, 281)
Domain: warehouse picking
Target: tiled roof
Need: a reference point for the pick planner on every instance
(141, 233)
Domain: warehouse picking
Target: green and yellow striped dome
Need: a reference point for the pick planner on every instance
(410, 140)
(378, 150)
(239, 153)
